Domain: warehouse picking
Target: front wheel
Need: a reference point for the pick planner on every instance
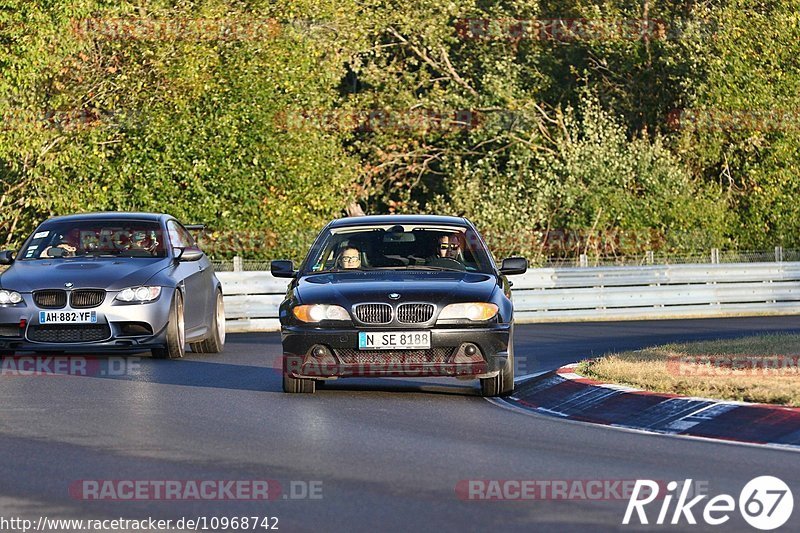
(298, 385)
(176, 331)
(215, 343)
(503, 383)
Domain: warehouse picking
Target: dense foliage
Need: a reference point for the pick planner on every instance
(624, 126)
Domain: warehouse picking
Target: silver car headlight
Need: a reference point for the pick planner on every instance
(9, 297)
(475, 311)
(139, 294)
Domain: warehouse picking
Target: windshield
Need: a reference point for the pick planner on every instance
(95, 238)
(398, 247)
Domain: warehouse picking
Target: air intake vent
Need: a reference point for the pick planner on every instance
(349, 356)
(66, 333)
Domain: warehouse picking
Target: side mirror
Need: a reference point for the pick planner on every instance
(187, 254)
(6, 257)
(514, 265)
(282, 269)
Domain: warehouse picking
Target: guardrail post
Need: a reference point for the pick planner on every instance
(779, 254)
(715, 255)
(237, 264)
(583, 260)
(650, 258)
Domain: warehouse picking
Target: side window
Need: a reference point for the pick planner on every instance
(179, 236)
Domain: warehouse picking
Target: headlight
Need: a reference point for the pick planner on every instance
(320, 312)
(10, 297)
(475, 311)
(139, 294)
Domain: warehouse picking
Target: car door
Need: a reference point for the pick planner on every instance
(194, 276)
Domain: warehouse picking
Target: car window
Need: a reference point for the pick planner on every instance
(399, 247)
(180, 236)
(96, 238)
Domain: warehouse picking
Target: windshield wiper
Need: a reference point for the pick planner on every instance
(426, 267)
(98, 253)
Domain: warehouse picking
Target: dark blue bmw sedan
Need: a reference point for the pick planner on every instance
(398, 296)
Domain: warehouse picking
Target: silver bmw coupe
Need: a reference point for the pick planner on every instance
(110, 282)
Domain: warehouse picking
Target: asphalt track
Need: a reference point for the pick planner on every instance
(388, 453)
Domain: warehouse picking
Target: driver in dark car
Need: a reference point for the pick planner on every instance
(449, 252)
(451, 246)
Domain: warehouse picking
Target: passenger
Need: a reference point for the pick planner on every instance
(350, 258)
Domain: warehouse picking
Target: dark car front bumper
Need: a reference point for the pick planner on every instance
(324, 353)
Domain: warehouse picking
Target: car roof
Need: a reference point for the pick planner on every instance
(398, 219)
(110, 215)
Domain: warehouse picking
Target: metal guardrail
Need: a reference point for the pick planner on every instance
(576, 294)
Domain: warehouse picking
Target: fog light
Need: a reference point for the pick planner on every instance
(320, 363)
(319, 351)
(468, 353)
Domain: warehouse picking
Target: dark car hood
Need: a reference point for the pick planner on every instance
(346, 289)
(101, 273)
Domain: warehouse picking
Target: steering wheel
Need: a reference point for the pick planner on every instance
(448, 262)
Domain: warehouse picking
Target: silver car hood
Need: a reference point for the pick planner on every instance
(98, 273)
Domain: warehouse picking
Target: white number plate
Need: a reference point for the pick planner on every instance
(394, 340)
(67, 317)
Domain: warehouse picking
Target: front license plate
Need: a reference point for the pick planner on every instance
(394, 340)
(67, 317)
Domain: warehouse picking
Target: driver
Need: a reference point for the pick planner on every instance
(140, 241)
(451, 246)
(134, 241)
(449, 252)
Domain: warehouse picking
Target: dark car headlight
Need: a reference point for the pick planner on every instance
(473, 311)
(139, 294)
(319, 312)
(9, 297)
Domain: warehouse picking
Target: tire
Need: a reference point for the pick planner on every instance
(503, 383)
(215, 343)
(298, 385)
(176, 332)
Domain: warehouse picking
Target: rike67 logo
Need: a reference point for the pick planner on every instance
(766, 503)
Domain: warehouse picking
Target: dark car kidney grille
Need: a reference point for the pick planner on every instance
(84, 299)
(374, 313)
(50, 299)
(351, 356)
(67, 333)
(414, 313)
